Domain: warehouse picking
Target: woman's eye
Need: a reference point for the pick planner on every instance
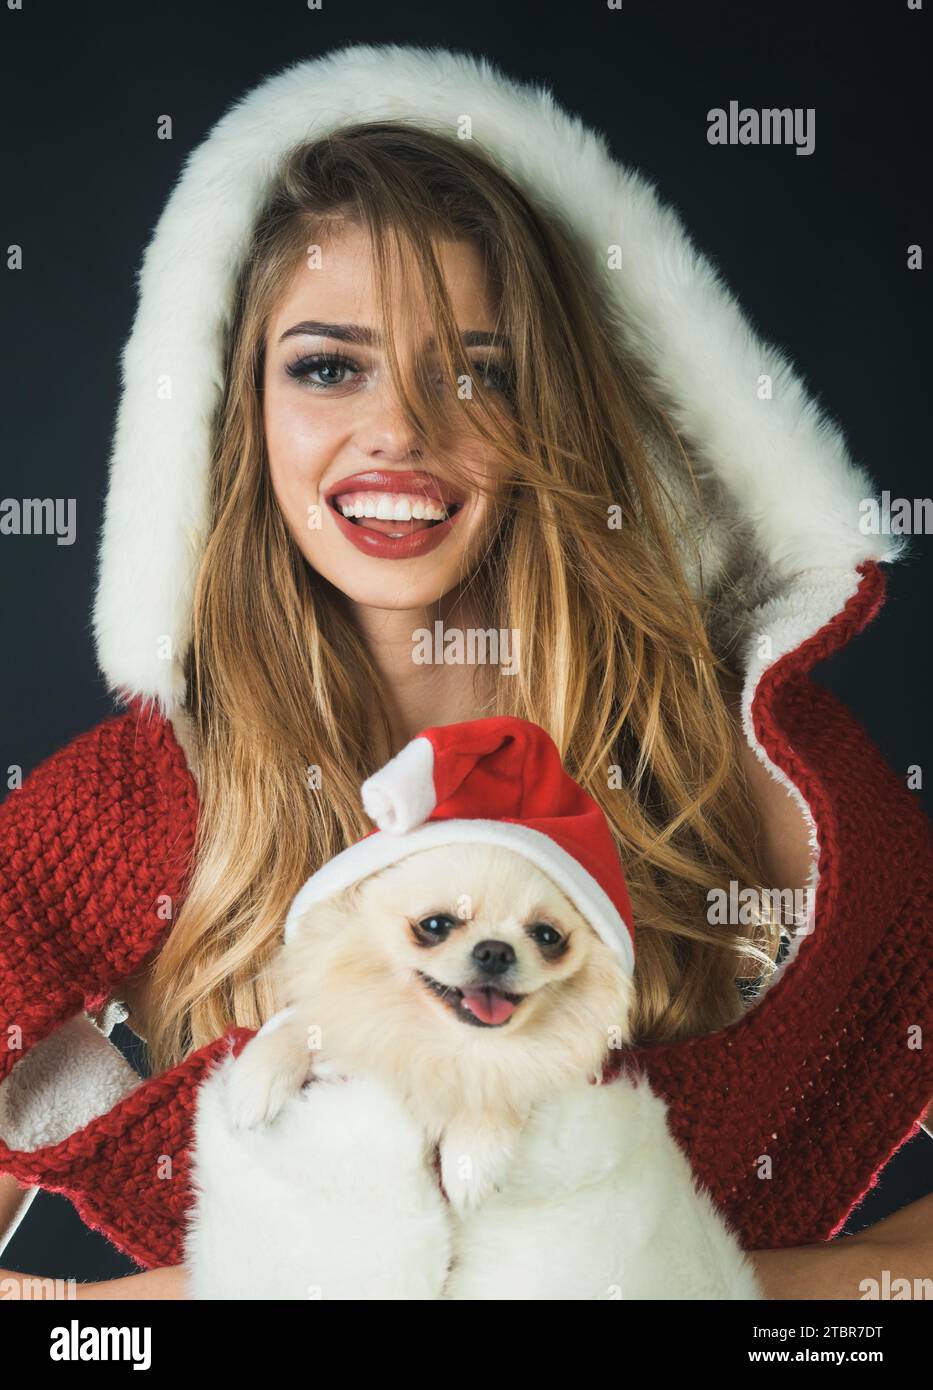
(498, 377)
(493, 376)
(544, 934)
(438, 924)
(322, 370)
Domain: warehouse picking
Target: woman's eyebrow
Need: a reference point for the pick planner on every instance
(366, 337)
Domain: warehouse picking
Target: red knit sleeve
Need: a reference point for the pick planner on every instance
(90, 846)
(93, 846)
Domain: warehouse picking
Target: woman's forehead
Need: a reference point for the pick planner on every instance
(336, 283)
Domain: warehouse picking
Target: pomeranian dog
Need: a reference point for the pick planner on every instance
(424, 1116)
(446, 1018)
(466, 980)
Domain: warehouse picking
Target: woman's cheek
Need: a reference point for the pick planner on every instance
(299, 452)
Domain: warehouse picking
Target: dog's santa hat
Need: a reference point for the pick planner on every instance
(497, 781)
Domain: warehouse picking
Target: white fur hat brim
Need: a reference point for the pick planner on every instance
(383, 848)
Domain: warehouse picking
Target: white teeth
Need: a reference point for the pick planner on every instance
(390, 506)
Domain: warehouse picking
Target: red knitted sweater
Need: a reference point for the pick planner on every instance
(820, 1075)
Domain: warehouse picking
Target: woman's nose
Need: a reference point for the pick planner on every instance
(384, 431)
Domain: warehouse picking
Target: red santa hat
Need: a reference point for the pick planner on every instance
(496, 781)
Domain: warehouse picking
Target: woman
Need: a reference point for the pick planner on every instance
(630, 514)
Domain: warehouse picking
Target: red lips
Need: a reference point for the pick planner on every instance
(417, 484)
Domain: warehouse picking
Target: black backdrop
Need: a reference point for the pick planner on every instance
(815, 248)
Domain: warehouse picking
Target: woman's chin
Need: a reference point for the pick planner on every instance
(390, 592)
(391, 584)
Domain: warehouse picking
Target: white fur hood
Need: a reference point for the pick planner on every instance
(783, 491)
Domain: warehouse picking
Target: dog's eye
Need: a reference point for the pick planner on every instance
(438, 924)
(544, 934)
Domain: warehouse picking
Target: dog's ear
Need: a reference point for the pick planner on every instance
(313, 922)
(335, 908)
(348, 899)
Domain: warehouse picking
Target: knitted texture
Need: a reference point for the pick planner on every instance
(93, 847)
(825, 1077)
(820, 1077)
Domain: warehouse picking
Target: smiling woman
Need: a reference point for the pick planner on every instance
(475, 375)
(512, 334)
(319, 432)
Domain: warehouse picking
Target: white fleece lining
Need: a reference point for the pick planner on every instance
(785, 622)
(61, 1084)
(379, 850)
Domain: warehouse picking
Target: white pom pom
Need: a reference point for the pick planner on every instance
(401, 795)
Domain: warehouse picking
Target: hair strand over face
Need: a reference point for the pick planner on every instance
(616, 661)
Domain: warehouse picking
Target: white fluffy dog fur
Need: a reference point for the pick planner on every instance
(454, 1009)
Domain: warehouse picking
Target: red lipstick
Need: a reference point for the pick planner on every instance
(411, 544)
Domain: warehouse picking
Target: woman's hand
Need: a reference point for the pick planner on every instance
(855, 1267)
(167, 1283)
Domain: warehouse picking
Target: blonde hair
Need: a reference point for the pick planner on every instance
(616, 660)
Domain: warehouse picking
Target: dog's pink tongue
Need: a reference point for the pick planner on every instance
(488, 1005)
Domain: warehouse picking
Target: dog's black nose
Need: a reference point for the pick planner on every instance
(493, 957)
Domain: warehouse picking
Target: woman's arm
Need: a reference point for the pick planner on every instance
(899, 1247)
(14, 1203)
(830, 1269)
(785, 836)
(151, 1283)
(168, 1283)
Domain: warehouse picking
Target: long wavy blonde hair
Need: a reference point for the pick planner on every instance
(616, 660)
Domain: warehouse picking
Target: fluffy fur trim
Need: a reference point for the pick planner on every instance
(382, 848)
(618, 1217)
(337, 1200)
(782, 493)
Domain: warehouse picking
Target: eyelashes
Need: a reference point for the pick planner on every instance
(302, 369)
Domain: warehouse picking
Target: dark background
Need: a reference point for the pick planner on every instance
(815, 248)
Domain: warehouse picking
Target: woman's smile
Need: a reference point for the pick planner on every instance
(393, 515)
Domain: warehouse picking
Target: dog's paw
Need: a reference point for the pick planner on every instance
(473, 1163)
(255, 1094)
(324, 1069)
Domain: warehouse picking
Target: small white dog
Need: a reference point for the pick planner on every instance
(458, 1000)
(466, 981)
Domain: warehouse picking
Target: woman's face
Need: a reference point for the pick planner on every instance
(358, 492)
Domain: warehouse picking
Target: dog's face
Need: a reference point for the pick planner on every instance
(488, 940)
(462, 954)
